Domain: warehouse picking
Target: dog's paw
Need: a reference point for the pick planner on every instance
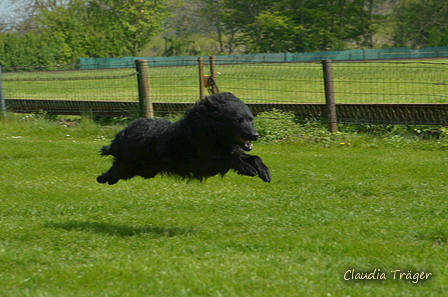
(262, 170)
(265, 175)
(102, 179)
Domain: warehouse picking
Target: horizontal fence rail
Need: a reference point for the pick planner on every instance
(384, 114)
(380, 92)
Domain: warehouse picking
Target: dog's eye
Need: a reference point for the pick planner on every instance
(239, 120)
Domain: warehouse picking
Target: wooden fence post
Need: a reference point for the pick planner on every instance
(2, 96)
(330, 116)
(144, 89)
(213, 74)
(201, 78)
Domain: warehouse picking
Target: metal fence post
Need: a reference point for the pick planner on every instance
(144, 89)
(213, 74)
(2, 96)
(330, 116)
(201, 78)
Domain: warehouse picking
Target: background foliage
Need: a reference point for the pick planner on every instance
(61, 31)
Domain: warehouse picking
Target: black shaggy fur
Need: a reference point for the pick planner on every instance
(209, 140)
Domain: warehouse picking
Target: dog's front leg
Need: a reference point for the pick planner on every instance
(251, 165)
(237, 164)
(257, 163)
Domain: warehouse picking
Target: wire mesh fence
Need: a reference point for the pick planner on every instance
(362, 90)
(273, 83)
(174, 84)
(391, 82)
(70, 84)
(168, 84)
(364, 82)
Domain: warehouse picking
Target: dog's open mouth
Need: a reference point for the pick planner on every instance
(245, 144)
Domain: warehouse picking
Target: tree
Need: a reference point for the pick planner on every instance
(300, 25)
(29, 50)
(212, 12)
(139, 20)
(277, 33)
(102, 28)
(80, 27)
(418, 23)
(240, 17)
(184, 27)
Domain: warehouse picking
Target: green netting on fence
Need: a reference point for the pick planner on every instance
(351, 55)
(129, 62)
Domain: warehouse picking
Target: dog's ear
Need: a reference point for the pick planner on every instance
(211, 105)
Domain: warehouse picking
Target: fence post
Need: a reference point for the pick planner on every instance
(213, 74)
(144, 89)
(2, 96)
(201, 78)
(330, 116)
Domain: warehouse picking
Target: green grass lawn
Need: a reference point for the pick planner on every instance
(371, 82)
(357, 202)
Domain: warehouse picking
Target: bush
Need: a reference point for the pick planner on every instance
(276, 125)
(29, 50)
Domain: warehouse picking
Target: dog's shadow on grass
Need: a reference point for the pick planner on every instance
(122, 230)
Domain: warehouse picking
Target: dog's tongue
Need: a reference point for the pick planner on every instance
(245, 142)
(248, 146)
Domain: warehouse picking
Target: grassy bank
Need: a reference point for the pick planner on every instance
(361, 201)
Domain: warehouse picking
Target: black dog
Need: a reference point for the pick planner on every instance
(209, 140)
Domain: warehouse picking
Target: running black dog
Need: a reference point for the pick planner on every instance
(210, 139)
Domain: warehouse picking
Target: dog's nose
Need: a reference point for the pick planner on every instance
(255, 135)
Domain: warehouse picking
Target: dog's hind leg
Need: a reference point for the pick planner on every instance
(116, 172)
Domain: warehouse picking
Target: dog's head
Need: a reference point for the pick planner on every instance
(232, 119)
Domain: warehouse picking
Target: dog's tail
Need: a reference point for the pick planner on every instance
(105, 151)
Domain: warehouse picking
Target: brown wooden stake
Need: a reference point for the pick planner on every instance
(213, 74)
(201, 78)
(330, 117)
(144, 89)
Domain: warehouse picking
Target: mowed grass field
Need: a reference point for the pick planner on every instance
(358, 203)
(356, 82)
